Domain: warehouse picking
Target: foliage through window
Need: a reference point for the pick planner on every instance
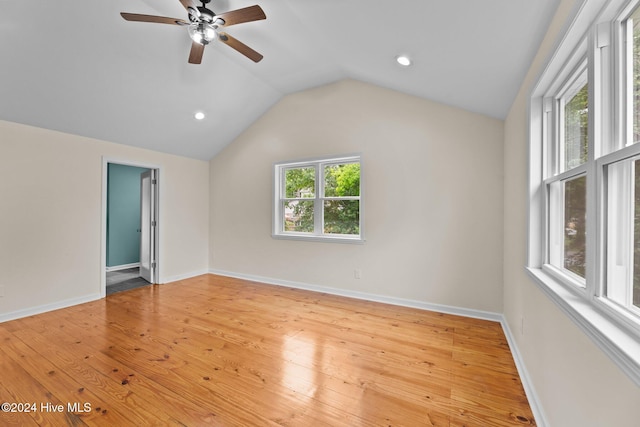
(576, 128)
(318, 199)
(575, 223)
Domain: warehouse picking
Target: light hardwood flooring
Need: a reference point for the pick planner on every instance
(225, 352)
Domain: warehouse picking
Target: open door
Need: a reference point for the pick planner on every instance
(148, 197)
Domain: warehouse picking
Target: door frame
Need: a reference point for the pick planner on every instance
(103, 240)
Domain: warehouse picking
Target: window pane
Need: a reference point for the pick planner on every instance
(576, 123)
(342, 180)
(300, 182)
(298, 215)
(575, 197)
(342, 217)
(636, 237)
(620, 230)
(635, 61)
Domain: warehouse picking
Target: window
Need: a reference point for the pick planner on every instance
(318, 199)
(566, 184)
(584, 222)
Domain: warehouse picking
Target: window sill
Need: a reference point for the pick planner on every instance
(325, 239)
(619, 343)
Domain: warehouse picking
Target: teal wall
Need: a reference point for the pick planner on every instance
(123, 214)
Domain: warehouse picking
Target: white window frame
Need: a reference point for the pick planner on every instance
(318, 234)
(555, 173)
(595, 36)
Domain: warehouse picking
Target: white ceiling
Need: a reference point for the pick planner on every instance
(76, 66)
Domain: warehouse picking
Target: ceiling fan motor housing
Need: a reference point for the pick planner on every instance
(206, 14)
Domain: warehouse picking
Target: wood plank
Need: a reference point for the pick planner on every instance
(24, 390)
(117, 408)
(213, 350)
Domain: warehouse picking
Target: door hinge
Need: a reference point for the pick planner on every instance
(153, 265)
(154, 181)
(153, 223)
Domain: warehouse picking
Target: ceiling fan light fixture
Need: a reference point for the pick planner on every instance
(203, 26)
(403, 60)
(202, 32)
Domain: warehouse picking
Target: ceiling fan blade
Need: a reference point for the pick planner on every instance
(195, 56)
(239, 16)
(240, 47)
(192, 8)
(151, 18)
(188, 3)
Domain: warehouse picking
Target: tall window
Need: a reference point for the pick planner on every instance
(318, 199)
(584, 239)
(566, 183)
(620, 169)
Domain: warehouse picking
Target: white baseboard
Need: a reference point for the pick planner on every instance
(178, 277)
(122, 267)
(47, 307)
(532, 397)
(467, 312)
(31, 311)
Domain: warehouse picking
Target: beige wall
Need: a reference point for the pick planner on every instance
(576, 383)
(432, 185)
(443, 224)
(51, 207)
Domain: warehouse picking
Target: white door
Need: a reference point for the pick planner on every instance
(148, 225)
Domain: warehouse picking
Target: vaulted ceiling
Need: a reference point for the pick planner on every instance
(76, 66)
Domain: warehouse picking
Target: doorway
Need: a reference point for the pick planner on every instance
(130, 225)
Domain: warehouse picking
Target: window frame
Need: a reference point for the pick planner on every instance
(319, 199)
(596, 36)
(555, 170)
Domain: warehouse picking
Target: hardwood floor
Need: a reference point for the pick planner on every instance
(218, 351)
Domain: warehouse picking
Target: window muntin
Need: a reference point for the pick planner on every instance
(319, 199)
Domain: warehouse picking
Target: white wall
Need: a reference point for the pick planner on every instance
(50, 215)
(575, 382)
(433, 191)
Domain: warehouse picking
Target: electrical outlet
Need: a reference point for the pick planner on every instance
(357, 273)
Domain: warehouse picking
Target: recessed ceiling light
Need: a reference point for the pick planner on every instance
(403, 60)
(199, 115)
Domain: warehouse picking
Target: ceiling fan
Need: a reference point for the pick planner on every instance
(204, 27)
